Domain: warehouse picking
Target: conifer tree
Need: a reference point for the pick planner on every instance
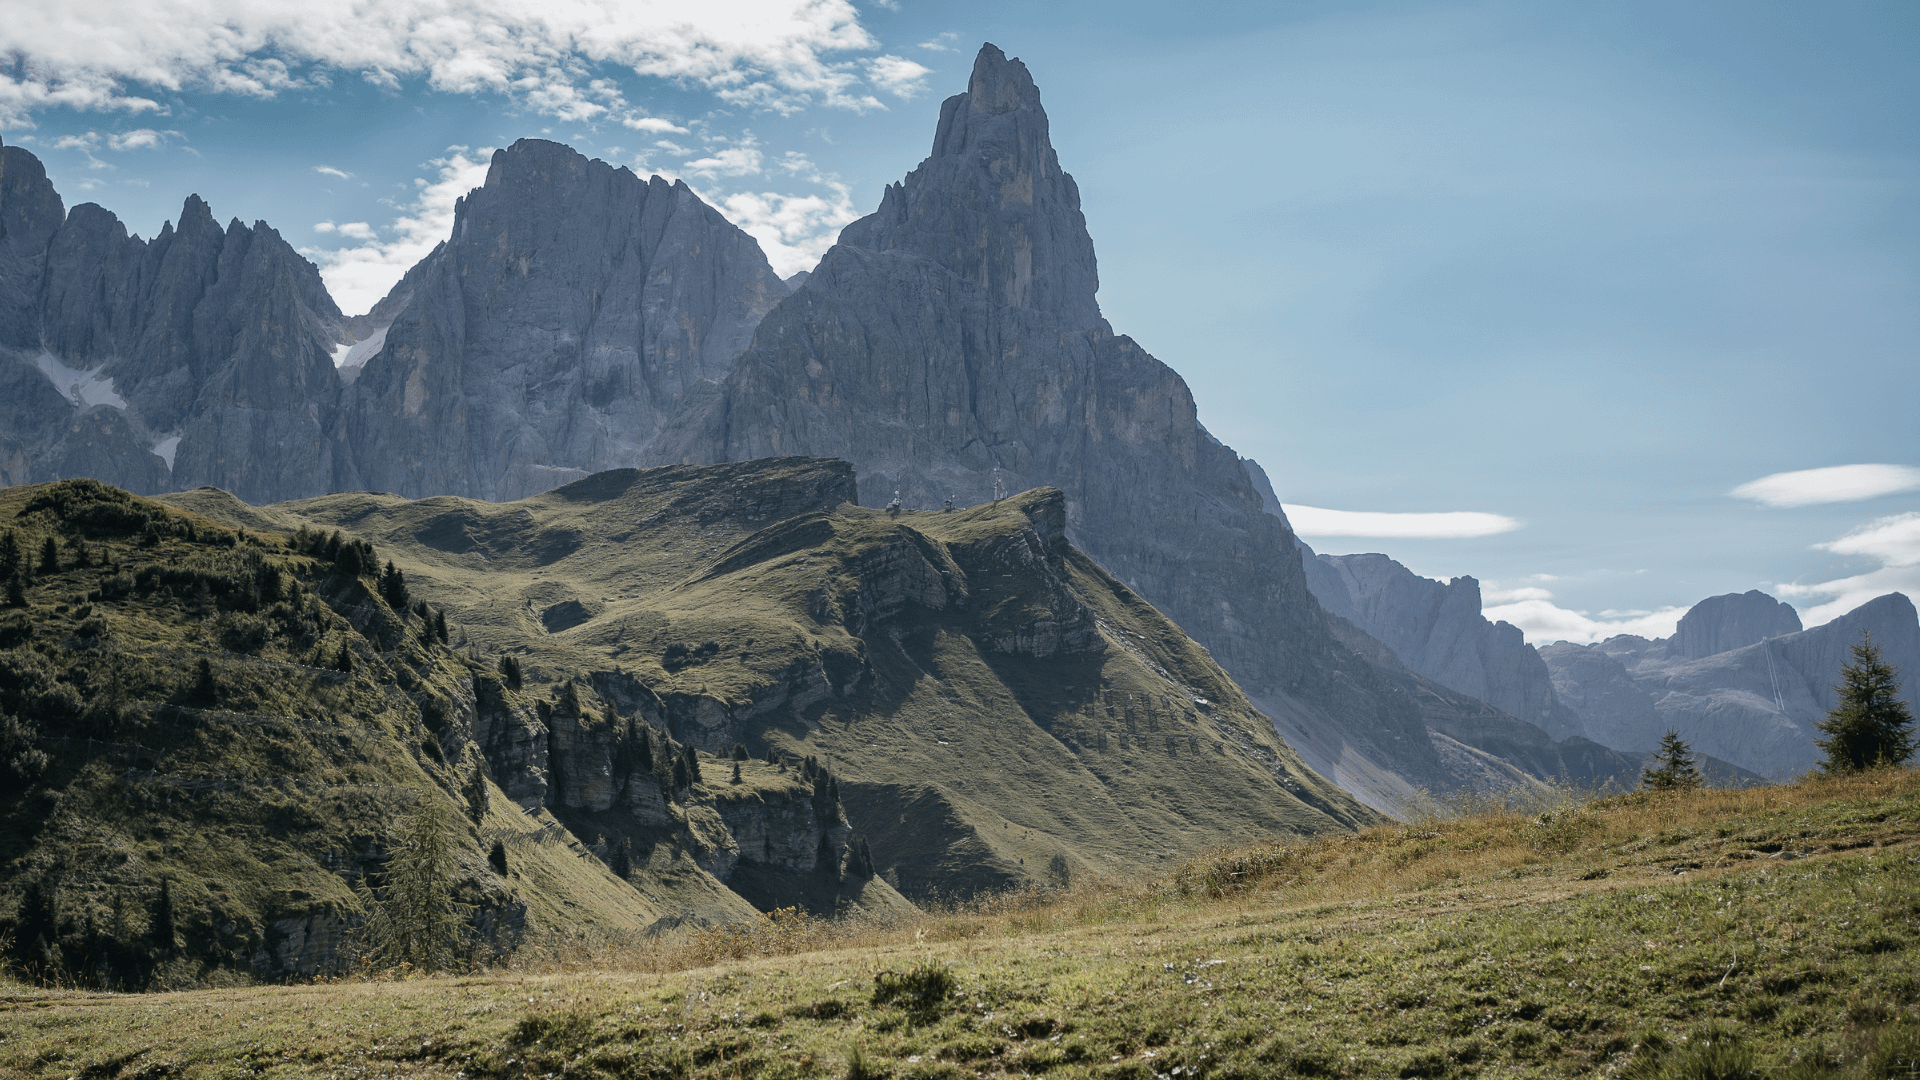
(206, 691)
(826, 861)
(693, 764)
(740, 752)
(510, 670)
(440, 627)
(497, 858)
(681, 778)
(49, 557)
(620, 859)
(412, 917)
(348, 562)
(1871, 725)
(1676, 771)
(160, 929)
(16, 592)
(10, 554)
(736, 772)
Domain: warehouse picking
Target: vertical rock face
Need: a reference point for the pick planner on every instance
(573, 306)
(951, 341)
(1436, 629)
(1721, 623)
(200, 357)
(1753, 704)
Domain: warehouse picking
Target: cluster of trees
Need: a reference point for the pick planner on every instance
(49, 945)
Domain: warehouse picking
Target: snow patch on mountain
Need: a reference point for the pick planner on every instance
(84, 388)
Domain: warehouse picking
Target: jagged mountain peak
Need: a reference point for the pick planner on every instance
(991, 204)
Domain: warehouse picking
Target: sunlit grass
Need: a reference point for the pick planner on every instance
(1772, 931)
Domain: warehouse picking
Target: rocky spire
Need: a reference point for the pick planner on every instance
(992, 204)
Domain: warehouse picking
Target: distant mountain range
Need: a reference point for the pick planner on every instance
(579, 319)
(1739, 680)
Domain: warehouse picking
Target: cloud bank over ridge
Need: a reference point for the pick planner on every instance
(782, 55)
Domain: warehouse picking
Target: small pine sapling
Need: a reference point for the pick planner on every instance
(1676, 771)
(497, 857)
(49, 557)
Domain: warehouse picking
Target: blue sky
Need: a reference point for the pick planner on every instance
(1586, 269)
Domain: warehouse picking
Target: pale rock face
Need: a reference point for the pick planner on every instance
(573, 306)
(1754, 704)
(1436, 629)
(1721, 623)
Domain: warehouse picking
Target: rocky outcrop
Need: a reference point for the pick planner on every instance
(200, 357)
(1436, 629)
(951, 343)
(572, 307)
(1723, 623)
(1754, 705)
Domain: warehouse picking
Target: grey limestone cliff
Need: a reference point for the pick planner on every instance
(199, 357)
(550, 335)
(1722, 623)
(1436, 629)
(1754, 704)
(951, 342)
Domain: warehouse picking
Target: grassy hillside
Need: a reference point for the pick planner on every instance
(1765, 932)
(243, 718)
(994, 707)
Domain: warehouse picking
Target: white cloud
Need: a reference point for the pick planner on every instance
(1836, 484)
(1315, 521)
(328, 170)
(140, 139)
(1893, 542)
(793, 230)
(741, 160)
(1543, 621)
(1492, 595)
(776, 54)
(945, 42)
(897, 75)
(352, 230)
(359, 276)
(652, 124)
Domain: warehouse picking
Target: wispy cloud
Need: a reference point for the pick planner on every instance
(742, 159)
(897, 75)
(328, 170)
(554, 58)
(948, 41)
(352, 230)
(1892, 542)
(1543, 621)
(1316, 521)
(360, 275)
(1835, 484)
(652, 125)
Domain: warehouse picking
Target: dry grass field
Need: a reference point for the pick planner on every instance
(1765, 932)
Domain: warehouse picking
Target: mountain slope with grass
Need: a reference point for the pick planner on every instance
(236, 719)
(1708, 934)
(991, 707)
